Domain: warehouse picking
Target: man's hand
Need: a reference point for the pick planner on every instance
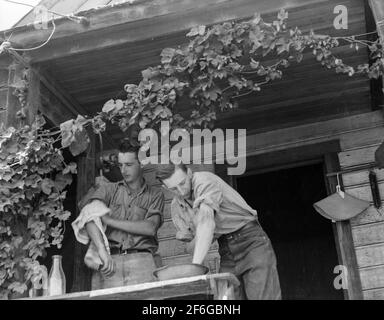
(108, 267)
(106, 219)
(190, 247)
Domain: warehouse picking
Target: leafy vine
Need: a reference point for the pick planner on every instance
(33, 177)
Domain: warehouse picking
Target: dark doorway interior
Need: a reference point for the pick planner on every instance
(302, 239)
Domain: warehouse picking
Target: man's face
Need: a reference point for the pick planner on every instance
(129, 166)
(180, 183)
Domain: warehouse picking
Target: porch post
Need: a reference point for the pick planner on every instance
(343, 237)
(377, 7)
(85, 179)
(12, 75)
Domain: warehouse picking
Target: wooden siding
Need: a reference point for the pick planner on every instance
(359, 137)
(368, 227)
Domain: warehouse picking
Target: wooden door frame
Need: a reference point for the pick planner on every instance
(322, 152)
(343, 235)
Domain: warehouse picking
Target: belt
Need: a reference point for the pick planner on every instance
(118, 250)
(236, 233)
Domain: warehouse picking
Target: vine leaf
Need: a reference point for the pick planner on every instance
(80, 142)
(70, 168)
(66, 133)
(46, 186)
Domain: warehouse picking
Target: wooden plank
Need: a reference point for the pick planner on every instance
(372, 277)
(348, 129)
(152, 290)
(371, 255)
(364, 191)
(357, 156)
(361, 138)
(344, 238)
(167, 288)
(353, 179)
(127, 22)
(368, 234)
(292, 155)
(374, 294)
(368, 216)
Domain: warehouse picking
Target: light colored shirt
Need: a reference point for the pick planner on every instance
(231, 210)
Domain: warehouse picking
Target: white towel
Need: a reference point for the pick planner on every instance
(91, 212)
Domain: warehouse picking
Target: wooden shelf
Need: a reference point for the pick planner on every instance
(221, 285)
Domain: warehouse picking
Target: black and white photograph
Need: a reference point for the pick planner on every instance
(209, 151)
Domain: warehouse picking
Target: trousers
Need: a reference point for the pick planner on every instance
(249, 255)
(133, 268)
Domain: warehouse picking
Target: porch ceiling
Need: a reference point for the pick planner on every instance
(307, 92)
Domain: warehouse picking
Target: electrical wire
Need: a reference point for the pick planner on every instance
(43, 44)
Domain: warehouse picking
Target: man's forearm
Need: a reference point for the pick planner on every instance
(203, 240)
(145, 228)
(95, 235)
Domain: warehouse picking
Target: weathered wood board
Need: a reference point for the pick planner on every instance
(372, 277)
(368, 234)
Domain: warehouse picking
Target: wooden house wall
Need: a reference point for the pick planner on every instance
(359, 137)
(368, 227)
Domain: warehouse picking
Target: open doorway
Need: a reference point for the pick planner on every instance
(302, 239)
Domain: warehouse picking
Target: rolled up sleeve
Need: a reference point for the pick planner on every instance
(208, 192)
(156, 207)
(104, 193)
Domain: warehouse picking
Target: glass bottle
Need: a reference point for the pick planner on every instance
(56, 280)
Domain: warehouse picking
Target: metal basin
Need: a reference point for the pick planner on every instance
(180, 271)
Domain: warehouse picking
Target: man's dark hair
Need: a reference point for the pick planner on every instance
(164, 171)
(126, 146)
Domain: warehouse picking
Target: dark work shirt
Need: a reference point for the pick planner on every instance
(131, 206)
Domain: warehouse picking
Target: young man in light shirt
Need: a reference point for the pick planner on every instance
(207, 208)
(136, 215)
